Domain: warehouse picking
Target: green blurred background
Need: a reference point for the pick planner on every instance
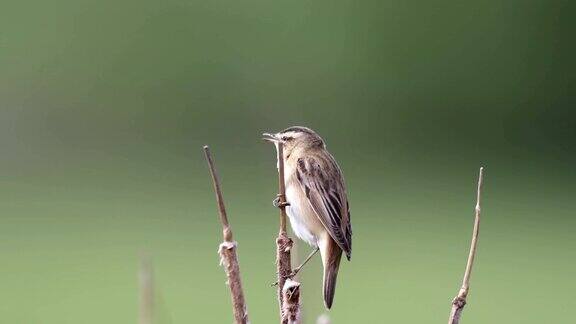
(104, 107)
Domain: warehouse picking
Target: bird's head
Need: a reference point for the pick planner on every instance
(295, 138)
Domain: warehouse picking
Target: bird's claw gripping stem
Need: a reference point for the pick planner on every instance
(289, 276)
(276, 203)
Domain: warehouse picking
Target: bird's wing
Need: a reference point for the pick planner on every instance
(323, 184)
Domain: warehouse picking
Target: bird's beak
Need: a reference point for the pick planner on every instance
(271, 138)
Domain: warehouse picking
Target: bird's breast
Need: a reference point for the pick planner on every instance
(303, 219)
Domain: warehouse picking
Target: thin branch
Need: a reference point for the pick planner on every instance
(281, 188)
(146, 283)
(295, 278)
(227, 250)
(283, 242)
(460, 299)
(229, 259)
(226, 231)
(291, 294)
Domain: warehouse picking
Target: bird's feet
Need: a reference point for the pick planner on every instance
(288, 276)
(279, 204)
(294, 272)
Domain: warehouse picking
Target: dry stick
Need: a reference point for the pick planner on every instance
(291, 296)
(460, 299)
(296, 278)
(283, 246)
(227, 250)
(146, 283)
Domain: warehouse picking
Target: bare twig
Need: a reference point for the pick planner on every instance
(295, 276)
(283, 242)
(226, 231)
(227, 250)
(146, 283)
(291, 307)
(281, 188)
(460, 299)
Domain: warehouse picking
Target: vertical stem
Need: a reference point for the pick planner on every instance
(291, 311)
(283, 242)
(460, 300)
(227, 251)
(281, 187)
(475, 232)
(226, 231)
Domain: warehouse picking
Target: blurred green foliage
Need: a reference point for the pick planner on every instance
(104, 106)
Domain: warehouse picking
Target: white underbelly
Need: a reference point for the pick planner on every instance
(300, 222)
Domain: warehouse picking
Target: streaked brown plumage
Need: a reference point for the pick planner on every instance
(316, 192)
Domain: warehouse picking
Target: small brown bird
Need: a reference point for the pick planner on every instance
(316, 200)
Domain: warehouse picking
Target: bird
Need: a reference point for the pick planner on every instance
(316, 200)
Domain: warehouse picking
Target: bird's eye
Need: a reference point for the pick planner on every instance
(286, 138)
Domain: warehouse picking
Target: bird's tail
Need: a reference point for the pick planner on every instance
(331, 265)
